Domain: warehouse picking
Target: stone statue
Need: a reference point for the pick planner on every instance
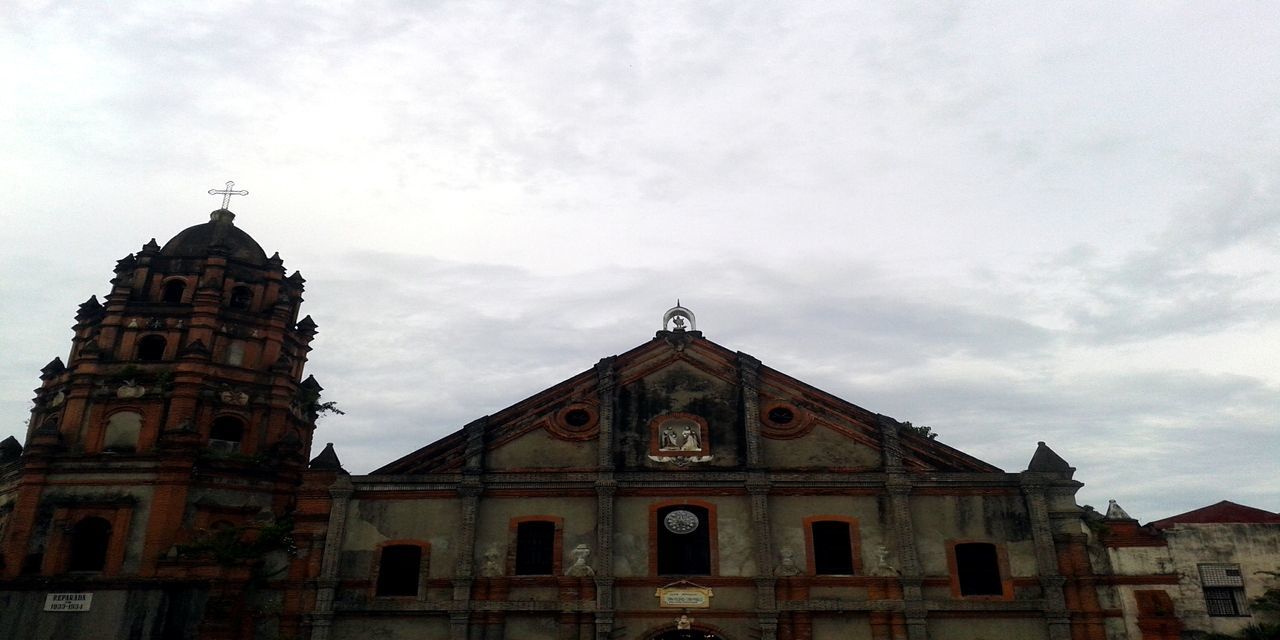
(883, 567)
(580, 568)
(667, 441)
(690, 440)
(787, 567)
(684, 622)
(490, 567)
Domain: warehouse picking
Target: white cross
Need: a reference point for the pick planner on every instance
(227, 193)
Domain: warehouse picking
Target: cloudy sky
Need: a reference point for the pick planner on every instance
(1009, 221)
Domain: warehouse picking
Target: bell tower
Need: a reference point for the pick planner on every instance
(181, 412)
(198, 336)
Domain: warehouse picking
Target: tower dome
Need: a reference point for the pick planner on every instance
(219, 231)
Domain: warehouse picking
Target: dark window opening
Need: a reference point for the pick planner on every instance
(399, 569)
(173, 291)
(978, 567)
(832, 548)
(225, 434)
(89, 539)
(781, 415)
(684, 541)
(151, 348)
(241, 298)
(577, 417)
(535, 548)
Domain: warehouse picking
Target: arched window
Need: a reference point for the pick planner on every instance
(684, 540)
(173, 290)
(89, 540)
(535, 548)
(833, 543)
(226, 434)
(241, 298)
(151, 348)
(977, 566)
(122, 431)
(399, 570)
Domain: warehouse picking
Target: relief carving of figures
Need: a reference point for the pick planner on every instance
(230, 396)
(130, 389)
(689, 440)
(787, 567)
(490, 567)
(668, 442)
(679, 438)
(580, 568)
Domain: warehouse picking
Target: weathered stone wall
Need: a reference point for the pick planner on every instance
(819, 448)
(133, 613)
(389, 628)
(540, 450)
(978, 628)
(1255, 547)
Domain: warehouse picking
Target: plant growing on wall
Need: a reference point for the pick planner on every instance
(242, 545)
(1270, 599)
(922, 430)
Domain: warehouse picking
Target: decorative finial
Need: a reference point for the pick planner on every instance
(676, 318)
(227, 193)
(1116, 512)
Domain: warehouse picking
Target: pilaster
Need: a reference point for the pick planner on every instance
(898, 485)
(327, 581)
(749, 380)
(1051, 581)
(606, 492)
(469, 491)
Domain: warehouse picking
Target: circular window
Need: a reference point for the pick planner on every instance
(577, 417)
(680, 521)
(781, 415)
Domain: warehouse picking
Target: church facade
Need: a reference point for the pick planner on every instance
(678, 490)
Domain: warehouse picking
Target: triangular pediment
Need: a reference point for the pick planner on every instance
(682, 402)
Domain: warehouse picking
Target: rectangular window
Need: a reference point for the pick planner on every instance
(398, 570)
(978, 569)
(832, 548)
(535, 548)
(1223, 590)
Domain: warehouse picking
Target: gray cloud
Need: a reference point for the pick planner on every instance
(1011, 222)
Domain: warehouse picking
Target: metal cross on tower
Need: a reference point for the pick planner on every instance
(227, 193)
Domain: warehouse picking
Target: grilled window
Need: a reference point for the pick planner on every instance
(1223, 586)
(535, 548)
